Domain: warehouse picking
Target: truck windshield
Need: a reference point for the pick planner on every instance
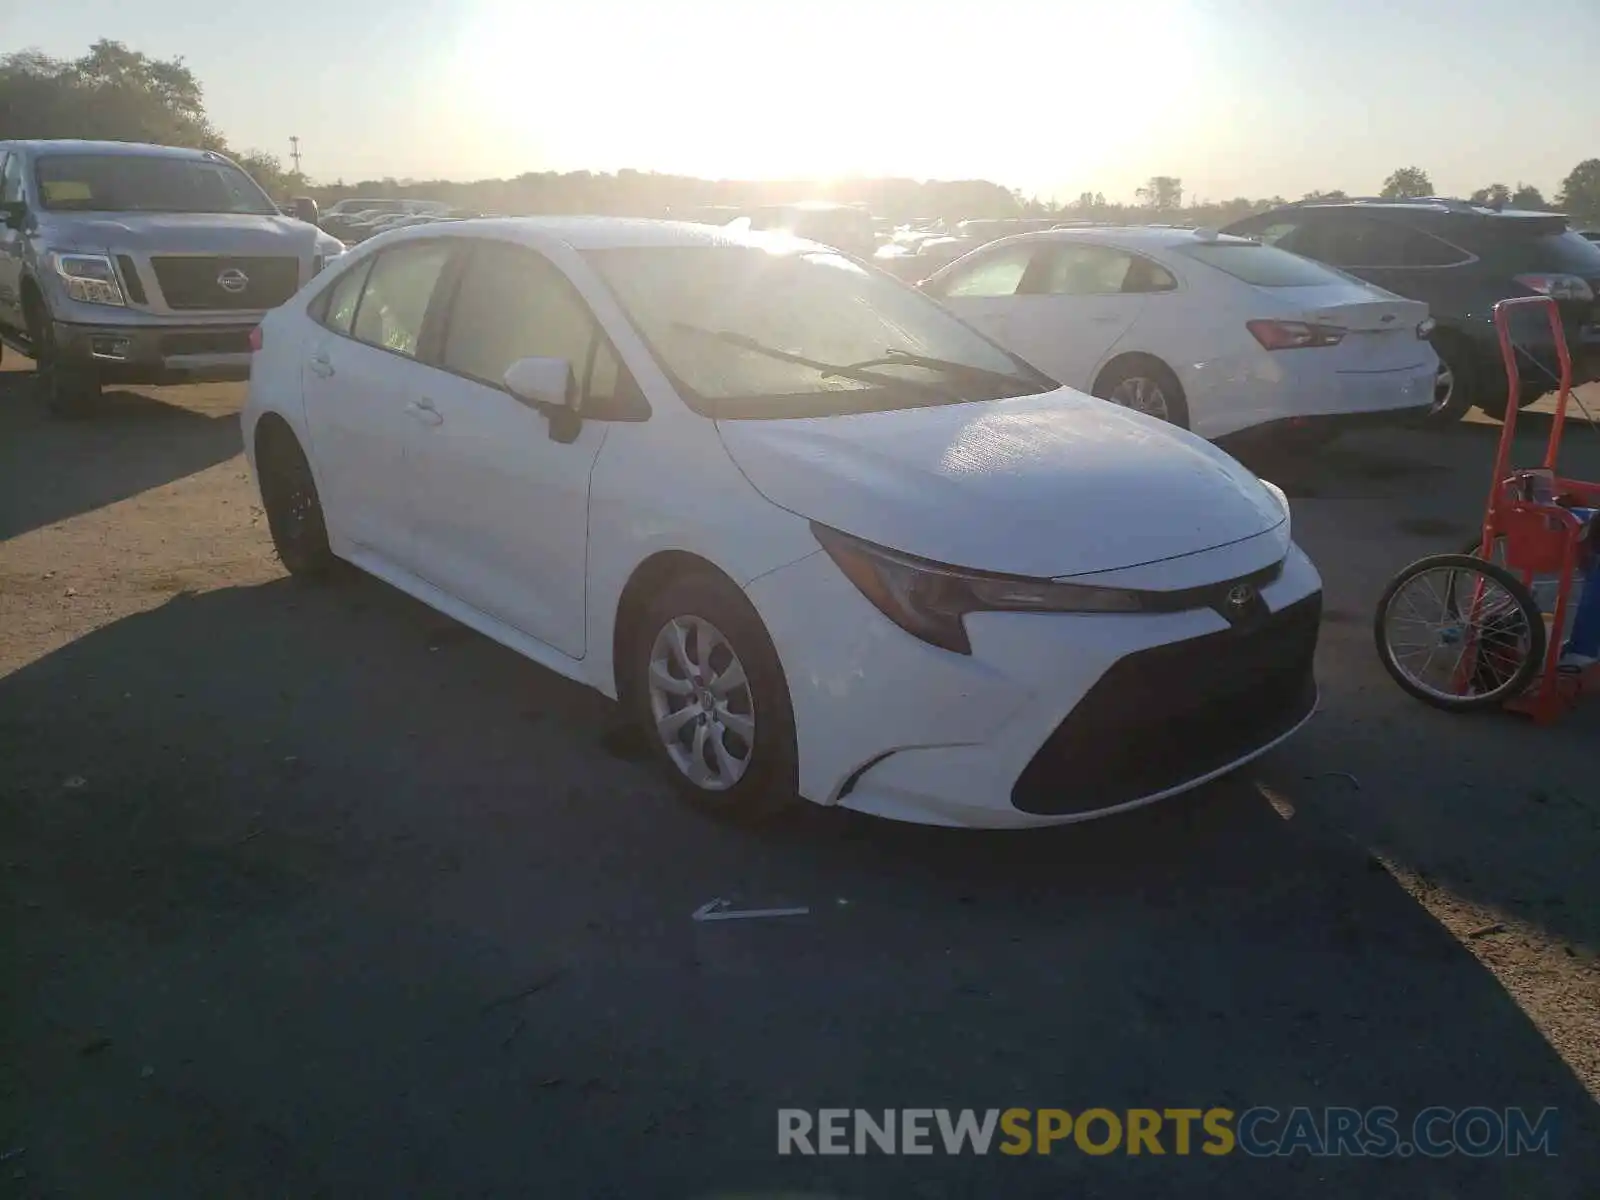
(147, 183)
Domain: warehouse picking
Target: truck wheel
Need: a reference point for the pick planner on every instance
(69, 390)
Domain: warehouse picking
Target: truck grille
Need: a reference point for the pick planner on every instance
(196, 282)
(1164, 716)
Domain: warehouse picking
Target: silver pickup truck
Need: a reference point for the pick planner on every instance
(127, 263)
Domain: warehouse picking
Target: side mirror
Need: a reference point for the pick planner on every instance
(13, 213)
(543, 382)
(305, 209)
(546, 384)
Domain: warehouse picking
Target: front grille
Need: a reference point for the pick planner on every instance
(130, 279)
(193, 281)
(1164, 716)
(219, 341)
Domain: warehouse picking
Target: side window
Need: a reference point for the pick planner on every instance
(1147, 276)
(1084, 269)
(998, 273)
(336, 307)
(1271, 235)
(395, 300)
(11, 179)
(514, 304)
(1359, 241)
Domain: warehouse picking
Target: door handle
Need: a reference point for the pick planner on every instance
(425, 412)
(320, 365)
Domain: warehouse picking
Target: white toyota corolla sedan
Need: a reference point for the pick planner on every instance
(1218, 334)
(816, 534)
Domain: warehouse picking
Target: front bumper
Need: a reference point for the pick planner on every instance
(159, 354)
(1054, 718)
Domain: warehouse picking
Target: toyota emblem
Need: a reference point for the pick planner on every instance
(233, 281)
(1239, 595)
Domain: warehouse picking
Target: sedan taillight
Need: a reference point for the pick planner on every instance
(1294, 335)
(255, 339)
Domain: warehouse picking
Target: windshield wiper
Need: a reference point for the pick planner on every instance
(893, 357)
(859, 371)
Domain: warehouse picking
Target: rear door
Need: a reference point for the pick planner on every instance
(364, 391)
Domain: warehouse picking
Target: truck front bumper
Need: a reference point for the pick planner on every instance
(158, 354)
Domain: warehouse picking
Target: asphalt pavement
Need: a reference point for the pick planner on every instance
(311, 892)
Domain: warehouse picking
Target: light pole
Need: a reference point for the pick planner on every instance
(294, 153)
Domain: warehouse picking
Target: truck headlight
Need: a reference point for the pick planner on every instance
(88, 278)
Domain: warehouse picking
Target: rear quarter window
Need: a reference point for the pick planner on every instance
(1262, 266)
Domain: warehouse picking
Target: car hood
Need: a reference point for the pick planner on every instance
(1046, 486)
(238, 234)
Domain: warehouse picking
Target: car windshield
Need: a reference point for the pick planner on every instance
(1263, 266)
(749, 333)
(147, 183)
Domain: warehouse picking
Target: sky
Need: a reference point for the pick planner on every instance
(1052, 97)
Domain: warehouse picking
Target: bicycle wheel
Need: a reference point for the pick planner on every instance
(1459, 633)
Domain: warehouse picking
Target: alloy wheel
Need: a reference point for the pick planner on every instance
(1444, 387)
(701, 703)
(1142, 395)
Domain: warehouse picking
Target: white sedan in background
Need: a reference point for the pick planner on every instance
(1218, 334)
(816, 534)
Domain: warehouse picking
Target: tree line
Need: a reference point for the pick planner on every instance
(112, 92)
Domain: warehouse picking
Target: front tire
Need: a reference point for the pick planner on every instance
(710, 697)
(294, 510)
(70, 390)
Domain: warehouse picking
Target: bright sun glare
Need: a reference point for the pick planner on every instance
(827, 90)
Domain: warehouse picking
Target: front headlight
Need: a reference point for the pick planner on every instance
(928, 600)
(88, 278)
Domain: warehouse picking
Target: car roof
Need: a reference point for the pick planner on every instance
(51, 147)
(1145, 236)
(605, 233)
(1428, 209)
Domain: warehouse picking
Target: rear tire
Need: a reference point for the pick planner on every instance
(1145, 385)
(69, 390)
(294, 510)
(1459, 384)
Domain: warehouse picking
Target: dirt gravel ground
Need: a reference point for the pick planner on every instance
(310, 892)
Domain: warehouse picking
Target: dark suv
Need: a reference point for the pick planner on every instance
(1460, 258)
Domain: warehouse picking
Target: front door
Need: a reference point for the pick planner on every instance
(501, 508)
(363, 392)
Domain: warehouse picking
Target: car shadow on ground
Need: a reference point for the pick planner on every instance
(52, 469)
(315, 892)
